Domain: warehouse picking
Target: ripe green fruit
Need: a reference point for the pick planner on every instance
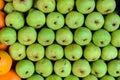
(44, 67)
(15, 20)
(46, 36)
(90, 77)
(62, 67)
(85, 6)
(8, 8)
(35, 52)
(73, 52)
(82, 36)
(8, 36)
(107, 77)
(81, 68)
(22, 5)
(55, 20)
(53, 77)
(54, 52)
(71, 77)
(35, 18)
(101, 38)
(24, 68)
(35, 77)
(17, 51)
(74, 19)
(27, 35)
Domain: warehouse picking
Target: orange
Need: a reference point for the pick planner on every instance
(11, 75)
(2, 4)
(3, 46)
(5, 62)
(2, 19)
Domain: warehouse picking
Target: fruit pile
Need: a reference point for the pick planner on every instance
(59, 40)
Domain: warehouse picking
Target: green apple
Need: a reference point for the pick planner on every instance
(17, 51)
(44, 67)
(82, 36)
(71, 77)
(85, 6)
(53, 77)
(101, 38)
(65, 6)
(8, 36)
(27, 35)
(73, 52)
(46, 6)
(90, 77)
(22, 5)
(94, 20)
(8, 8)
(115, 38)
(112, 22)
(64, 36)
(35, 52)
(114, 68)
(62, 67)
(46, 36)
(35, 18)
(107, 77)
(105, 6)
(55, 20)
(81, 68)
(25, 68)
(74, 19)
(109, 52)
(35, 77)
(15, 20)
(54, 52)
(92, 52)
(99, 68)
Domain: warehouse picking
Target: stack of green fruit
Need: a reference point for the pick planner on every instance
(63, 39)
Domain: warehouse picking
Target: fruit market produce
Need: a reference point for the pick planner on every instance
(60, 39)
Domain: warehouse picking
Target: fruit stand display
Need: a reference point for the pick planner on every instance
(59, 40)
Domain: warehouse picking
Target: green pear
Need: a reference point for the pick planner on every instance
(46, 36)
(8, 36)
(105, 6)
(114, 68)
(92, 52)
(62, 67)
(74, 19)
(53, 77)
(15, 20)
(22, 5)
(44, 67)
(115, 38)
(82, 36)
(35, 52)
(90, 77)
(73, 52)
(81, 68)
(35, 18)
(8, 8)
(101, 38)
(46, 6)
(65, 6)
(85, 6)
(25, 68)
(98, 68)
(64, 36)
(94, 20)
(35, 77)
(71, 77)
(27, 35)
(112, 22)
(107, 77)
(109, 52)
(54, 52)
(17, 51)
(55, 20)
